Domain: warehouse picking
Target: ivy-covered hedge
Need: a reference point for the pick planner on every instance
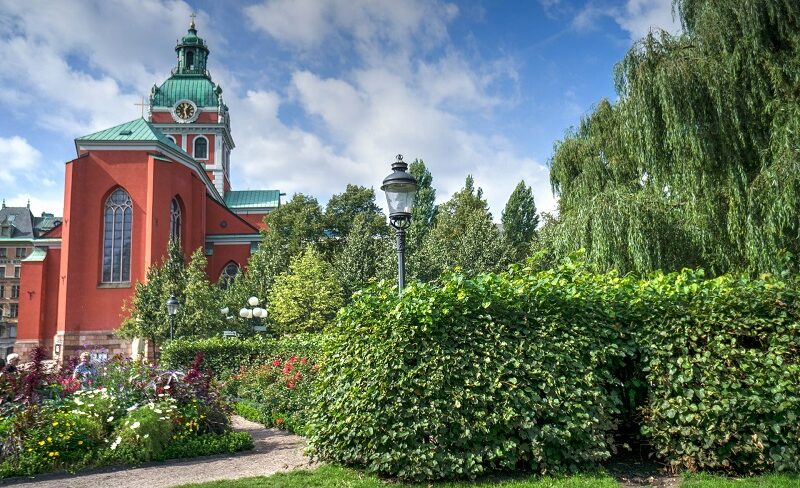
(722, 362)
(537, 369)
(225, 356)
(473, 375)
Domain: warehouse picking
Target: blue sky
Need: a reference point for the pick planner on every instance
(322, 92)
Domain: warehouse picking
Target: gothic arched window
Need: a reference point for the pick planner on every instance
(200, 148)
(175, 220)
(228, 274)
(118, 220)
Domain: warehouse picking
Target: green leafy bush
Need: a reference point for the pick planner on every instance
(226, 356)
(55, 440)
(207, 444)
(473, 375)
(722, 359)
(144, 433)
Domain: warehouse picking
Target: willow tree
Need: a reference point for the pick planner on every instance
(696, 164)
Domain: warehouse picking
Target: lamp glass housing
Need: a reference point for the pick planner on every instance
(172, 305)
(400, 197)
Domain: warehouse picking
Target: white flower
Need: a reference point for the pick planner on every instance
(167, 387)
(132, 408)
(78, 402)
(116, 443)
(157, 410)
(135, 425)
(146, 436)
(110, 419)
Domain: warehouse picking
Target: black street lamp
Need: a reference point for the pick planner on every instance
(400, 188)
(172, 309)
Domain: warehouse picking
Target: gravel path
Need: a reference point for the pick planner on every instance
(274, 451)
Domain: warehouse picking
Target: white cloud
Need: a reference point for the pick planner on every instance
(18, 157)
(81, 66)
(640, 16)
(637, 17)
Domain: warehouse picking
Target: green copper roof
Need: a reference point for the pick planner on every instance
(37, 254)
(199, 89)
(135, 130)
(253, 199)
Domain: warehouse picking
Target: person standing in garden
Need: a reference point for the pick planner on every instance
(11, 363)
(85, 370)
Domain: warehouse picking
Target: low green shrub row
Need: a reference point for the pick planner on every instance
(537, 369)
(226, 356)
(207, 445)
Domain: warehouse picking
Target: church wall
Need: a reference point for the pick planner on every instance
(84, 302)
(223, 254)
(220, 220)
(38, 288)
(256, 220)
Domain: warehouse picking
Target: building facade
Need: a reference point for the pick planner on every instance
(19, 230)
(130, 190)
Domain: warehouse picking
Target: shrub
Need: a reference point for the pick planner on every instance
(56, 440)
(472, 375)
(208, 444)
(280, 392)
(144, 433)
(227, 356)
(722, 360)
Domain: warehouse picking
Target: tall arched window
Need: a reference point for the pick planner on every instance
(190, 59)
(228, 274)
(118, 220)
(200, 148)
(175, 220)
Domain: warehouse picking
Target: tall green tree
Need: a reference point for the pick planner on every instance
(342, 209)
(520, 220)
(697, 162)
(146, 313)
(464, 235)
(358, 261)
(422, 219)
(199, 313)
(307, 296)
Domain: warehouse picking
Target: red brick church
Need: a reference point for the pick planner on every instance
(129, 190)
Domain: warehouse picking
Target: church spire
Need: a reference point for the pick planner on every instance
(192, 53)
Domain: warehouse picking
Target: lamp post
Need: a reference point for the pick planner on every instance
(400, 188)
(254, 313)
(172, 309)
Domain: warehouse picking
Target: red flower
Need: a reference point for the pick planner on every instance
(278, 421)
(292, 359)
(290, 384)
(303, 361)
(276, 363)
(287, 368)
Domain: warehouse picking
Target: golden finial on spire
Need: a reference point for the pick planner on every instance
(191, 24)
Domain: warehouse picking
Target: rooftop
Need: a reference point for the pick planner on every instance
(138, 130)
(253, 199)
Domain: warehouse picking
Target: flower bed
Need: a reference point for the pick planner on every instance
(277, 394)
(129, 412)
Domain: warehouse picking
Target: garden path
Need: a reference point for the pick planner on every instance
(274, 451)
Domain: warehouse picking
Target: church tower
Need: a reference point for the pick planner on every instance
(188, 108)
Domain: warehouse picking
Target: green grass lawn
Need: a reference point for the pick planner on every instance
(338, 477)
(766, 481)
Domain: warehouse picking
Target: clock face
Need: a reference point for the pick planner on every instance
(184, 110)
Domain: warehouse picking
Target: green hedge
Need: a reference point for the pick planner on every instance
(538, 369)
(473, 375)
(722, 363)
(225, 356)
(207, 445)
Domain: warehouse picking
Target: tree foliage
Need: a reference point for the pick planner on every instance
(520, 219)
(696, 163)
(463, 235)
(307, 297)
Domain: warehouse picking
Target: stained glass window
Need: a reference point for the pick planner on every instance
(118, 221)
